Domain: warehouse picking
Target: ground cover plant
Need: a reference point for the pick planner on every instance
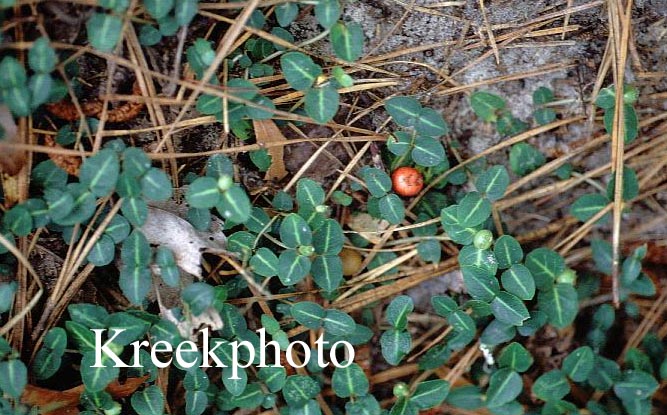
(431, 227)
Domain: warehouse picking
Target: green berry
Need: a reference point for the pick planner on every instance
(225, 183)
(401, 390)
(306, 250)
(483, 239)
(569, 276)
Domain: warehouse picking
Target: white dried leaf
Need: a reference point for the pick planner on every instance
(189, 327)
(368, 227)
(187, 243)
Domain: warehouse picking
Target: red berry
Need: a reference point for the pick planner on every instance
(407, 181)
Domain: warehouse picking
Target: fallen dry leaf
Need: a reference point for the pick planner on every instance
(11, 159)
(70, 164)
(266, 131)
(367, 226)
(187, 243)
(52, 402)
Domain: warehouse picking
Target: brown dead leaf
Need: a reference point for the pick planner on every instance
(51, 402)
(266, 131)
(11, 159)
(70, 164)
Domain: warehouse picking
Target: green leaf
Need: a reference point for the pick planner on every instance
(185, 11)
(41, 57)
(428, 151)
(103, 251)
(118, 229)
(486, 105)
(235, 386)
(292, 267)
(104, 31)
(46, 363)
(328, 239)
(338, 323)
(347, 40)
(18, 220)
(327, 272)
(493, 182)
(195, 402)
(40, 86)
(462, 324)
(219, 165)
(308, 314)
(100, 172)
(149, 401)
(524, 158)
(466, 397)
(519, 281)
(135, 162)
(299, 389)
(135, 282)
(97, 378)
(264, 263)
(579, 363)
(473, 210)
(504, 386)
(443, 305)
(635, 384)
(203, 193)
(551, 386)
(605, 373)
(327, 12)
(508, 251)
(377, 181)
(263, 111)
(631, 122)
(560, 303)
(198, 296)
(430, 393)
(136, 250)
(13, 377)
(155, 185)
(480, 284)
(545, 265)
(299, 70)
(309, 193)
(392, 209)
(7, 292)
(588, 205)
(630, 184)
(509, 309)
(544, 116)
(274, 377)
(606, 98)
(349, 381)
(286, 13)
(12, 73)
(395, 344)
(429, 250)
(398, 310)
(404, 110)
(294, 231)
(399, 142)
(321, 103)
(515, 357)
(18, 100)
(135, 210)
(234, 205)
(431, 123)
(542, 95)
(158, 8)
